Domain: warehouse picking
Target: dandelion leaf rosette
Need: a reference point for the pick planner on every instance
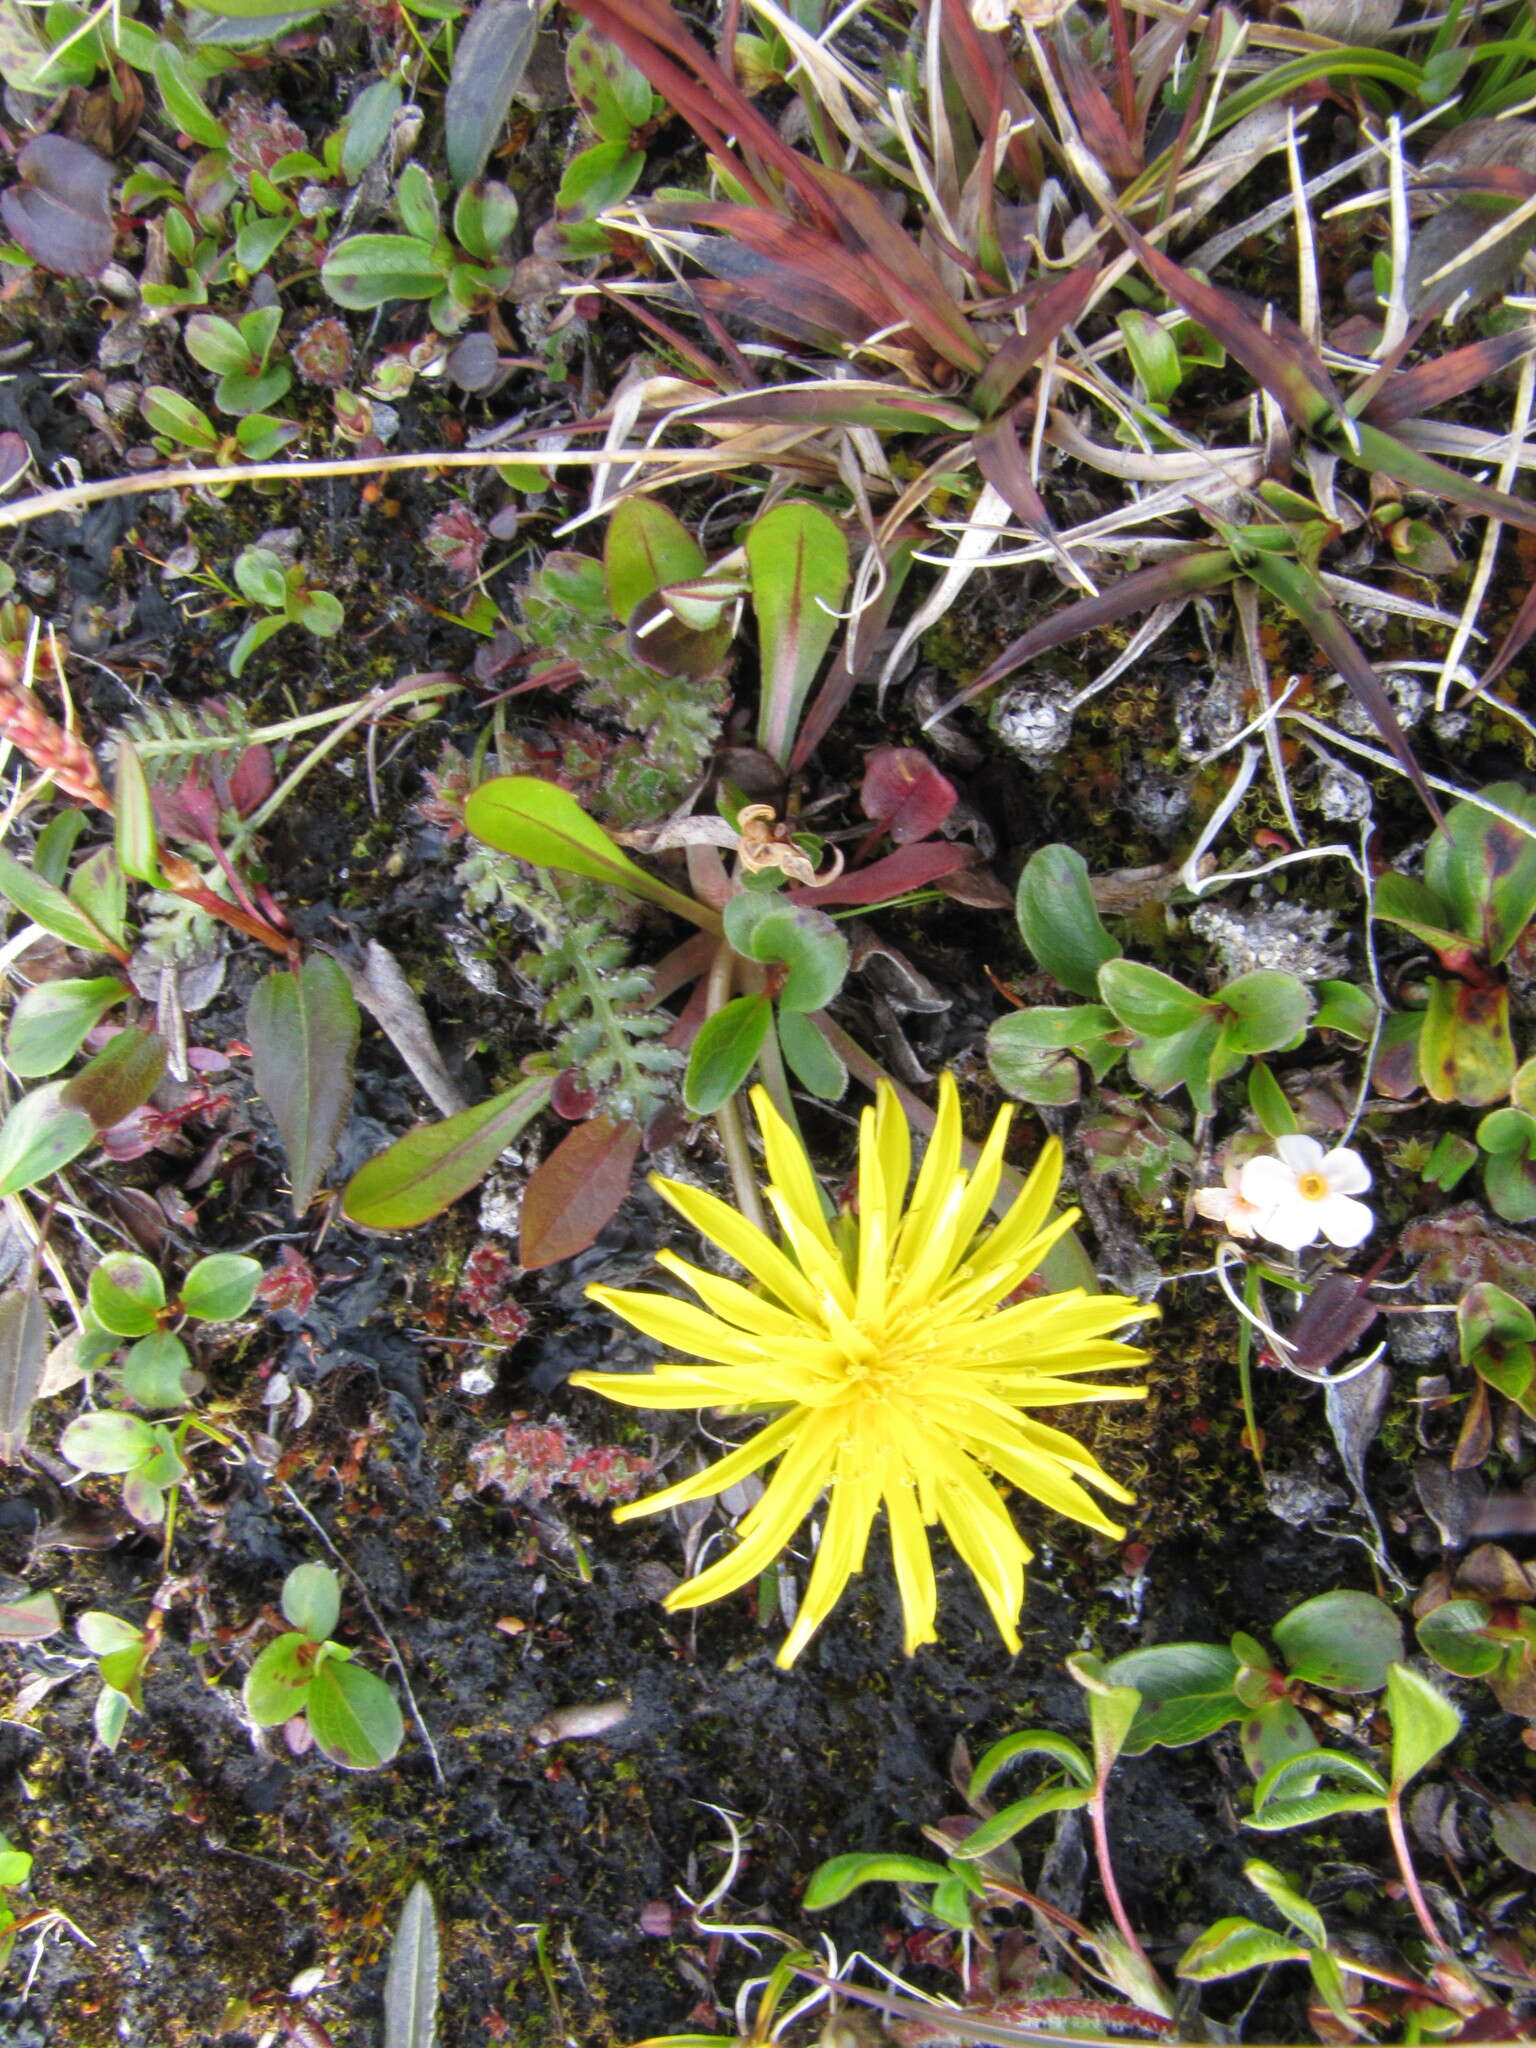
(890, 1366)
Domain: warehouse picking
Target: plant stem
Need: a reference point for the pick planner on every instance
(1098, 1810)
(733, 1134)
(1411, 1883)
(1251, 1284)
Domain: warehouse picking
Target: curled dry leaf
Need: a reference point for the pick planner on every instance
(61, 213)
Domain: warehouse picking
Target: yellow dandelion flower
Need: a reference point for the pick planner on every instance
(890, 1376)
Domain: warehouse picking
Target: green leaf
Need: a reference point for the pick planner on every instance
(105, 1440)
(259, 241)
(613, 94)
(1312, 1765)
(1229, 1947)
(725, 1052)
(1486, 869)
(1267, 1100)
(49, 907)
(1059, 921)
(99, 888)
(1150, 1002)
(1111, 1709)
(253, 639)
(544, 825)
(1455, 1635)
(320, 612)
(303, 1029)
(118, 1080)
(353, 1716)
(1011, 1820)
(1402, 901)
(416, 203)
(54, 845)
(1266, 1010)
(411, 1981)
(51, 1022)
(1423, 1723)
(1154, 355)
(809, 1057)
(488, 65)
(797, 937)
(137, 842)
(1307, 1811)
(596, 179)
(1341, 1641)
(217, 344)
(126, 1294)
(179, 89)
(111, 1716)
(156, 1371)
(1186, 1693)
(260, 574)
(1030, 1742)
(1284, 1897)
(277, 1684)
(645, 548)
(833, 1881)
(220, 1287)
(178, 419)
(106, 1635)
(29, 1618)
(797, 560)
(1466, 1052)
(1346, 1009)
(243, 394)
(367, 271)
(1029, 1072)
(312, 1600)
(41, 1133)
(1272, 1732)
(422, 1173)
(369, 121)
(1186, 1060)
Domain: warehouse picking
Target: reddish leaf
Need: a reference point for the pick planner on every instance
(1427, 385)
(912, 867)
(903, 791)
(576, 1190)
(1047, 313)
(1102, 129)
(1001, 459)
(62, 213)
(1204, 569)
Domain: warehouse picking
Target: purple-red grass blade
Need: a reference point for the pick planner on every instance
(1306, 600)
(1100, 126)
(1203, 569)
(1411, 393)
(1002, 461)
(1046, 315)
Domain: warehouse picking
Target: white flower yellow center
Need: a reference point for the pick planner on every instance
(1312, 1187)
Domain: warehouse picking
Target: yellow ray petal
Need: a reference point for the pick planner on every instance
(940, 1164)
(913, 1562)
(822, 1267)
(731, 1301)
(1048, 1482)
(788, 1167)
(681, 1326)
(727, 1471)
(893, 1142)
(743, 1242)
(982, 1186)
(995, 1553)
(1005, 1246)
(839, 1555)
(790, 1495)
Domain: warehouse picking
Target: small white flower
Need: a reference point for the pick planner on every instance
(1308, 1193)
(1229, 1205)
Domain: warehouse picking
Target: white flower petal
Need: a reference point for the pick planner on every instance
(1294, 1224)
(1346, 1172)
(1301, 1154)
(1343, 1220)
(1266, 1181)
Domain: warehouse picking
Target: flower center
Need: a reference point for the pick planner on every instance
(1312, 1187)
